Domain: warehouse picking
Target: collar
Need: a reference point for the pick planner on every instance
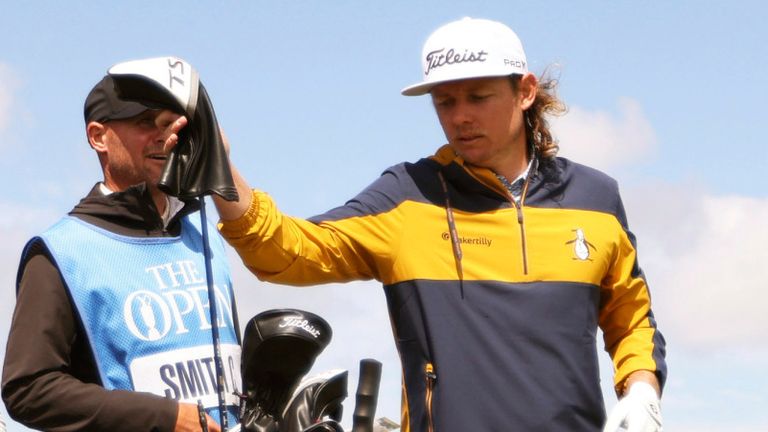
(446, 156)
(522, 175)
(172, 204)
(515, 187)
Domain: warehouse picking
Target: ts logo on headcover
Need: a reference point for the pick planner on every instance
(581, 246)
(172, 76)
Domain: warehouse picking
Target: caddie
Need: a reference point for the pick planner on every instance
(111, 330)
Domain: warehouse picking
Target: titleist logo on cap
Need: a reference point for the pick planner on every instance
(436, 59)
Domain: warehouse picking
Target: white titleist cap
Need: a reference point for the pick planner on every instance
(469, 48)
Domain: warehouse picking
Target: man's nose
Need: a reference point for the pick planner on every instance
(461, 114)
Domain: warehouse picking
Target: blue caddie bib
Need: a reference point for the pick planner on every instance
(144, 304)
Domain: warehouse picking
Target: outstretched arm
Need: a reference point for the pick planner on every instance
(294, 251)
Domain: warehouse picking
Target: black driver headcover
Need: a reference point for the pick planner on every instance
(279, 348)
(198, 165)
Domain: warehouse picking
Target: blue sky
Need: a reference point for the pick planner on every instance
(668, 97)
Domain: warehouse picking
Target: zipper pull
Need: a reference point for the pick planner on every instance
(430, 372)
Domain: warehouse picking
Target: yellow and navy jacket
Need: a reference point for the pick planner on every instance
(494, 305)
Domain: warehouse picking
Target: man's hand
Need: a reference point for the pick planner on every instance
(228, 210)
(638, 411)
(187, 420)
(171, 133)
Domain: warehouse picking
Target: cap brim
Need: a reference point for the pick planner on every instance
(423, 88)
(130, 109)
(419, 89)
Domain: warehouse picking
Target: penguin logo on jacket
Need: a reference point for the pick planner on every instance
(581, 245)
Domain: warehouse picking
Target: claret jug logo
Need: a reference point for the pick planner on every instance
(177, 305)
(581, 246)
(142, 310)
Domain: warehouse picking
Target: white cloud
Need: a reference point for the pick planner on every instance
(705, 256)
(603, 139)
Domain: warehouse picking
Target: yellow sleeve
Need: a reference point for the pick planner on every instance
(625, 316)
(294, 251)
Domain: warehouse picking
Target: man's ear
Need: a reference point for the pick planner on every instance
(527, 89)
(96, 132)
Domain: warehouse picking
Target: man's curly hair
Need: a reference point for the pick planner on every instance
(536, 124)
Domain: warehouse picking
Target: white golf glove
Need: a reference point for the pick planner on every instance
(638, 411)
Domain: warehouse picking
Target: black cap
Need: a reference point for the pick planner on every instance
(103, 104)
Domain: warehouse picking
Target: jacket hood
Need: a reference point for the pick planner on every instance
(129, 212)
(446, 157)
(546, 173)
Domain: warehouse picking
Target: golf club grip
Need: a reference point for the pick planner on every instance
(366, 396)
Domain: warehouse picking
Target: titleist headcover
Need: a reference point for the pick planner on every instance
(279, 348)
(198, 165)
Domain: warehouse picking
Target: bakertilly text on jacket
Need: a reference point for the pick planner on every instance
(494, 306)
